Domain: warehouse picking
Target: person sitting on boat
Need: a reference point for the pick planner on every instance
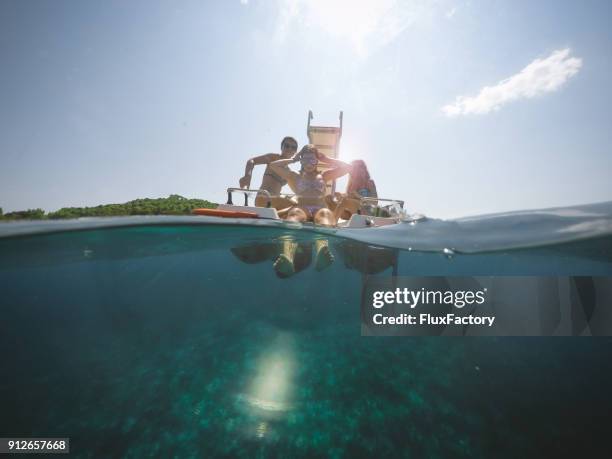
(360, 185)
(271, 182)
(309, 186)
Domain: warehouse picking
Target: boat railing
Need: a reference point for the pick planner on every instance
(375, 204)
(247, 192)
(372, 203)
(377, 200)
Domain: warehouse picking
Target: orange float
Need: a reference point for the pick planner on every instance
(225, 213)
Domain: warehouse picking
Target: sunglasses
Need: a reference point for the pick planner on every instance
(290, 146)
(309, 160)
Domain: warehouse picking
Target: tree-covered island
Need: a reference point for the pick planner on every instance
(172, 205)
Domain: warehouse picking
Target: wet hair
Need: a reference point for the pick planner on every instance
(288, 139)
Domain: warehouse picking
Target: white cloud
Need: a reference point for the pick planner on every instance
(364, 24)
(539, 77)
(244, 2)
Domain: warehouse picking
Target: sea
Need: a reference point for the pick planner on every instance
(176, 337)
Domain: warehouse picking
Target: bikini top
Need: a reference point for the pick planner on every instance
(364, 191)
(310, 185)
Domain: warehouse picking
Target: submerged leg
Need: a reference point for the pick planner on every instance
(323, 258)
(284, 262)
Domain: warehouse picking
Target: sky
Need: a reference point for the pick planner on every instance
(458, 107)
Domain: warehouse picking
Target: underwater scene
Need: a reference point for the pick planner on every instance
(178, 340)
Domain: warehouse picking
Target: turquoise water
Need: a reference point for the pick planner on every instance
(182, 340)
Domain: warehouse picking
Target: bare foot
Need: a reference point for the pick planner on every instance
(283, 266)
(324, 258)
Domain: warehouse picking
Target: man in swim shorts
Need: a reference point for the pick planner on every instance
(271, 182)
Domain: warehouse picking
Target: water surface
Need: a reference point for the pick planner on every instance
(182, 340)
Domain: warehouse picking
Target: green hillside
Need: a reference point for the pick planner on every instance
(172, 205)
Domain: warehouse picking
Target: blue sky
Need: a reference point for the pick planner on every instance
(458, 107)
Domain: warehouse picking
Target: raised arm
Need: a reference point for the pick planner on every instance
(327, 160)
(245, 182)
(281, 167)
(340, 168)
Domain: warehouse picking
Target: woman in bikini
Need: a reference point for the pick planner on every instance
(309, 184)
(309, 187)
(360, 185)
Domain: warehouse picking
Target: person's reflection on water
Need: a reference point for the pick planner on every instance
(371, 262)
(367, 259)
(299, 253)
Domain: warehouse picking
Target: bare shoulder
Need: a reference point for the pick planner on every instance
(274, 156)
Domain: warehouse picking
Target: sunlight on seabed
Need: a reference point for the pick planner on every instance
(272, 386)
